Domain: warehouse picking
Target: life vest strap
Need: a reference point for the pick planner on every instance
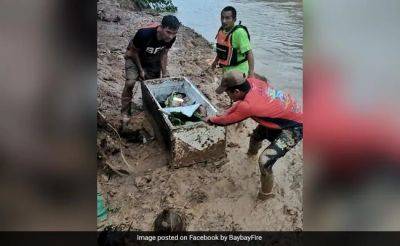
(228, 54)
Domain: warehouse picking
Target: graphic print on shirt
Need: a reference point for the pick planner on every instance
(283, 98)
(274, 94)
(154, 50)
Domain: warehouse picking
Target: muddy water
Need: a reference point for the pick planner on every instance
(276, 29)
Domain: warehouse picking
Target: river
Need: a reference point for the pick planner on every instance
(276, 29)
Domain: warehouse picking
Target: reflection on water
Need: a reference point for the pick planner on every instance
(276, 29)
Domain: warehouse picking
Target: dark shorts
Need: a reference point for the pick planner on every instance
(132, 73)
(281, 142)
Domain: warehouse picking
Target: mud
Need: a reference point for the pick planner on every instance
(210, 196)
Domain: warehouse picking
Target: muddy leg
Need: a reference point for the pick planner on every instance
(279, 147)
(131, 73)
(266, 160)
(256, 139)
(126, 98)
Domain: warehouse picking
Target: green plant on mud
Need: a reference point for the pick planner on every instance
(158, 5)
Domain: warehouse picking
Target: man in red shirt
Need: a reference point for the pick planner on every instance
(280, 120)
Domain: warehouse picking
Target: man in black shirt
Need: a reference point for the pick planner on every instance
(146, 58)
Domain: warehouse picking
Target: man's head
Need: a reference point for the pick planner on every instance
(234, 83)
(228, 17)
(169, 28)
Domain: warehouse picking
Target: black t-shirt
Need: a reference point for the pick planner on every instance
(150, 48)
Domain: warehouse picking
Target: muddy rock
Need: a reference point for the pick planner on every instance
(198, 196)
(142, 181)
(109, 145)
(232, 145)
(103, 16)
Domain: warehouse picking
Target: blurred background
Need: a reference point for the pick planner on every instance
(352, 134)
(48, 115)
(48, 122)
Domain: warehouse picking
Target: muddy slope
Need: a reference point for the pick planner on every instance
(212, 197)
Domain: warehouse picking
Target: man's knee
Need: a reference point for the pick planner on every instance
(254, 145)
(267, 159)
(259, 133)
(130, 83)
(255, 138)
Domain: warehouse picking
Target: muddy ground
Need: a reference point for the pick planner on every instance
(138, 184)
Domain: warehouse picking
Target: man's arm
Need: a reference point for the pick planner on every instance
(238, 112)
(164, 62)
(250, 59)
(245, 48)
(132, 53)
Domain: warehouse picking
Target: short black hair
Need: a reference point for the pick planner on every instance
(245, 87)
(230, 8)
(171, 22)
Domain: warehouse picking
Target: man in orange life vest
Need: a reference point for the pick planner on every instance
(233, 45)
(146, 58)
(280, 120)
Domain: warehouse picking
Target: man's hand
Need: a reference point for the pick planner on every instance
(207, 120)
(250, 58)
(142, 75)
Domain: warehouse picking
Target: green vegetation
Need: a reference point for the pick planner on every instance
(158, 5)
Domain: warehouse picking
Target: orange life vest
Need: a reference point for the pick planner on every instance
(151, 24)
(227, 55)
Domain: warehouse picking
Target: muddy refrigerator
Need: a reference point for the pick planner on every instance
(190, 143)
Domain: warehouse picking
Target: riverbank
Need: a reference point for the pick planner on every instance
(211, 197)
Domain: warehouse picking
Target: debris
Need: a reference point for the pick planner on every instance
(114, 169)
(178, 118)
(233, 145)
(101, 209)
(103, 16)
(198, 196)
(176, 99)
(186, 110)
(138, 130)
(181, 109)
(116, 19)
(109, 145)
(105, 177)
(142, 181)
(103, 118)
(288, 211)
